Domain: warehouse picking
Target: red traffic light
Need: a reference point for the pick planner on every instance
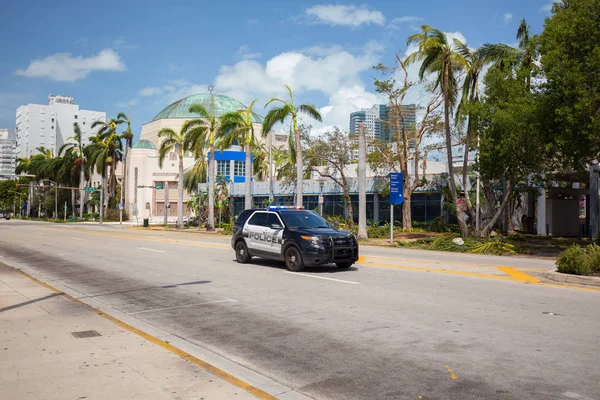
(47, 186)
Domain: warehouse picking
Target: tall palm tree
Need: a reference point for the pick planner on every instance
(237, 127)
(101, 153)
(474, 62)
(177, 141)
(439, 57)
(128, 137)
(288, 109)
(506, 57)
(205, 136)
(107, 132)
(77, 149)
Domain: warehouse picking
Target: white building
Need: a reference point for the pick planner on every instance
(51, 125)
(8, 157)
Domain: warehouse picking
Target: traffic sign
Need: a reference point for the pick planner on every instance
(396, 188)
(120, 206)
(90, 189)
(159, 186)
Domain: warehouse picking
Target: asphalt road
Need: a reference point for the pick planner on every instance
(404, 324)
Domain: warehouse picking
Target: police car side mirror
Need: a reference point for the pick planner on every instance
(276, 226)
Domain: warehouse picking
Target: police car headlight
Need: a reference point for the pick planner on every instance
(314, 240)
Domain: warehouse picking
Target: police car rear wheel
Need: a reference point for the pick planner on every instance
(241, 253)
(293, 260)
(343, 265)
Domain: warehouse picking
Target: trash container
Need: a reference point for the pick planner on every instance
(146, 222)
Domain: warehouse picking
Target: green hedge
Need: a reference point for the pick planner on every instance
(577, 260)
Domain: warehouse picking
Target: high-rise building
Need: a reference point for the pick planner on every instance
(374, 120)
(51, 125)
(8, 158)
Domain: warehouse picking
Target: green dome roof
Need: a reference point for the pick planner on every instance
(223, 105)
(144, 144)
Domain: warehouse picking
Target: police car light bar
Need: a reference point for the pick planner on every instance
(285, 208)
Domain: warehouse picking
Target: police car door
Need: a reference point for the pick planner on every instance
(254, 231)
(274, 233)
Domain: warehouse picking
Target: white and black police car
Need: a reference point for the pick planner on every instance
(297, 236)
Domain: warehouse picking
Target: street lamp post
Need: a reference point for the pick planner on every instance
(321, 185)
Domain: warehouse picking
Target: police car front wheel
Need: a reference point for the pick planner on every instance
(241, 253)
(293, 260)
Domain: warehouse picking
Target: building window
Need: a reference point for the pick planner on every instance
(239, 168)
(223, 167)
(75, 116)
(84, 122)
(52, 119)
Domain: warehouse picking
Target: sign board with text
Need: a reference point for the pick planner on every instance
(159, 186)
(396, 188)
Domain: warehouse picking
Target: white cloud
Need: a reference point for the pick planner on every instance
(127, 104)
(121, 43)
(507, 18)
(246, 53)
(149, 91)
(64, 67)
(342, 15)
(327, 71)
(408, 18)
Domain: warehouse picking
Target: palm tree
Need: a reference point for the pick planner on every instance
(279, 115)
(77, 149)
(128, 137)
(204, 136)
(260, 163)
(507, 57)
(474, 61)
(107, 132)
(237, 127)
(177, 141)
(102, 153)
(439, 57)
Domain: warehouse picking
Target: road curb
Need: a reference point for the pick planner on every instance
(261, 387)
(555, 276)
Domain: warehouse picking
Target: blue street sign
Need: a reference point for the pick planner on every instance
(396, 188)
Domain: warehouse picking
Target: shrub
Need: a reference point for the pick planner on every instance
(227, 229)
(577, 260)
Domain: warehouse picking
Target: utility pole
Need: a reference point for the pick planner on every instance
(271, 194)
(362, 184)
(122, 183)
(101, 202)
(166, 202)
(477, 195)
(65, 215)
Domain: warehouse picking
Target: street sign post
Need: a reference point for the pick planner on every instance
(396, 197)
(159, 186)
(90, 189)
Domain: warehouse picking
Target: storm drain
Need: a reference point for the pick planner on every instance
(85, 334)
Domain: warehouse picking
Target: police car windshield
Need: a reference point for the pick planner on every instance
(303, 219)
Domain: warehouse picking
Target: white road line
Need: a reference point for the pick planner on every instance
(157, 251)
(187, 305)
(39, 233)
(322, 277)
(76, 238)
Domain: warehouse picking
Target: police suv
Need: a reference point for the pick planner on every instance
(297, 236)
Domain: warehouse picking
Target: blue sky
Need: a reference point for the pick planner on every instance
(142, 55)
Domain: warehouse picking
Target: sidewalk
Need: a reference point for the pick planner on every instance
(40, 357)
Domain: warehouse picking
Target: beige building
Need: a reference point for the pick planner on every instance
(143, 172)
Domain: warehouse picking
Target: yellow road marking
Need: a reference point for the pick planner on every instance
(452, 374)
(442, 271)
(518, 275)
(362, 260)
(426, 261)
(169, 347)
